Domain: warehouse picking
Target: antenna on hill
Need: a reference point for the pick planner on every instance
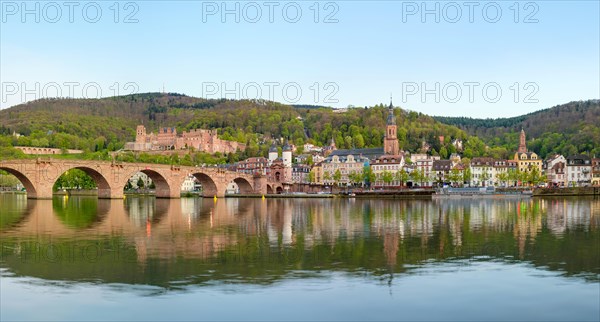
(163, 88)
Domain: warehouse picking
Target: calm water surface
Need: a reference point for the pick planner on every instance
(80, 258)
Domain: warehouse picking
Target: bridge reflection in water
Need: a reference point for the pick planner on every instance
(174, 243)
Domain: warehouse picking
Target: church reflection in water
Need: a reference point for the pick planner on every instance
(159, 241)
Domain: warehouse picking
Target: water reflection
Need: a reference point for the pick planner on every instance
(13, 209)
(80, 213)
(174, 243)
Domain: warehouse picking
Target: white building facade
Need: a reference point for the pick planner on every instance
(579, 170)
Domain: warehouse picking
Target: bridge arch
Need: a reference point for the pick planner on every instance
(163, 188)
(209, 187)
(104, 188)
(244, 185)
(29, 187)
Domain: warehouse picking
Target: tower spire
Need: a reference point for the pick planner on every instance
(391, 119)
(390, 143)
(522, 142)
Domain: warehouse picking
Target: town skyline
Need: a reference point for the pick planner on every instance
(386, 166)
(566, 129)
(306, 160)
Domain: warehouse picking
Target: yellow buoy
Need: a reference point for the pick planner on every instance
(215, 198)
(263, 197)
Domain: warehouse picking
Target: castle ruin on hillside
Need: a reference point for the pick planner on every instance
(167, 139)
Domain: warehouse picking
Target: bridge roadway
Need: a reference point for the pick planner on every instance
(39, 175)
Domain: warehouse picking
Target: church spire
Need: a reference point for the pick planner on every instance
(522, 142)
(390, 142)
(391, 119)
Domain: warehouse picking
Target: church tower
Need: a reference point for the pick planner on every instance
(390, 143)
(522, 143)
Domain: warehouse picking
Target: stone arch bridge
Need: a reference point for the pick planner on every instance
(38, 176)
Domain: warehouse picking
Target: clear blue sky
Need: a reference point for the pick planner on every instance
(359, 52)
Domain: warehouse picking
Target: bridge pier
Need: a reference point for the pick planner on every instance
(173, 193)
(108, 194)
(260, 185)
(219, 193)
(41, 191)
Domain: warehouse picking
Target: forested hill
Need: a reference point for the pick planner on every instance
(565, 129)
(98, 124)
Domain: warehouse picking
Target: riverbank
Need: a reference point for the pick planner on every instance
(400, 194)
(484, 196)
(283, 196)
(13, 193)
(76, 193)
(573, 191)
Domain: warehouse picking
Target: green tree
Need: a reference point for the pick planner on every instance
(309, 160)
(368, 176)
(443, 153)
(503, 177)
(418, 176)
(535, 177)
(348, 142)
(454, 176)
(359, 141)
(402, 176)
(513, 176)
(467, 174)
(387, 177)
(485, 176)
(140, 183)
(74, 179)
(337, 176)
(326, 176)
(468, 153)
(522, 177)
(8, 180)
(44, 143)
(355, 177)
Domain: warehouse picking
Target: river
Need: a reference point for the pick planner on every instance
(141, 258)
